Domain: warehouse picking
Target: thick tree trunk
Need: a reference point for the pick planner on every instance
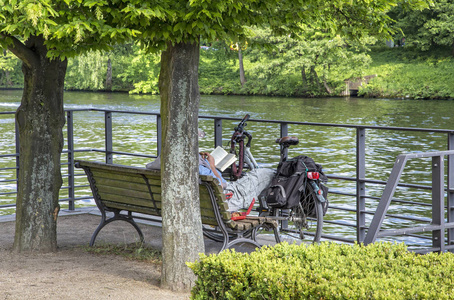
(40, 118)
(109, 75)
(240, 58)
(181, 223)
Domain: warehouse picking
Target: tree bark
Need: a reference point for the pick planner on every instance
(181, 222)
(40, 119)
(240, 58)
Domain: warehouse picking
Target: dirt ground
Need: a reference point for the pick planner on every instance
(73, 273)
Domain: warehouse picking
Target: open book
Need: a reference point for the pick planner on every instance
(222, 159)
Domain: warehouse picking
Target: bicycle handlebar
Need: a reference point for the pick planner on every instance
(242, 123)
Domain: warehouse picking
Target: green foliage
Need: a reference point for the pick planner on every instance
(133, 70)
(86, 72)
(10, 71)
(69, 27)
(428, 28)
(157, 23)
(325, 271)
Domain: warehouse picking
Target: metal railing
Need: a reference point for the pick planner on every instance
(361, 212)
(438, 224)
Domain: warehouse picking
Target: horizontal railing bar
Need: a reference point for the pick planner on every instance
(12, 168)
(9, 155)
(342, 208)
(8, 193)
(337, 238)
(408, 218)
(403, 217)
(281, 121)
(9, 180)
(381, 182)
(341, 193)
(133, 154)
(341, 223)
(406, 231)
(76, 198)
(77, 186)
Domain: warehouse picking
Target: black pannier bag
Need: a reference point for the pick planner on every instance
(289, 182)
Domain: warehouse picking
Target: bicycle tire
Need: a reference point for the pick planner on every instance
(303, 223)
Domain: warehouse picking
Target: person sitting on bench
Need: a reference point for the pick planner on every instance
(243, 190)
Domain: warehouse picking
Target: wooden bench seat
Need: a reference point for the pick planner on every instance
(124, 190)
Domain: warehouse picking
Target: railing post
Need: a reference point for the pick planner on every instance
(16, 127)
(284, 132)
(438, 207)
(217, 132)
(70, 136)
(450, 187)
(158, 134)
(108, 136)
(360, 185)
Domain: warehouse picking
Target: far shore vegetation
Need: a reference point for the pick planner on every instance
(402, 72)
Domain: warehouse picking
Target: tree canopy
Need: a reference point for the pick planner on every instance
(68, 27)
(177, 21)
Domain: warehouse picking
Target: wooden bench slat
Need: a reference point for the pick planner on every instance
(127, 185)
(133, 208)
(133, 178)
(130, 200)
(125, 192)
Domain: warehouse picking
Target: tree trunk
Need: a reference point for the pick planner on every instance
(40, 118)
(181, 222)
(314, 78)
(304, 78)
(109, 75)
(8, 80)
(240, 58)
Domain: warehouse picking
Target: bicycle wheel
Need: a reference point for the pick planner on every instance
(301, 223)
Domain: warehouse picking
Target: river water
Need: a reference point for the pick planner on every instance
(332, 147)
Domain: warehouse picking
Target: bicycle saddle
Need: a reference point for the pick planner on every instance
(288, 140)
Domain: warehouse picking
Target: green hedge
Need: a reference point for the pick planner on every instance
(325, 271)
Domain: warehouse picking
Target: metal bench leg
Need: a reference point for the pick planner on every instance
(116, 217)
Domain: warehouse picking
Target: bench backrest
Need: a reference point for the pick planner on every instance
(139, 190)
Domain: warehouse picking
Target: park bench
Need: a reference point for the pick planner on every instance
(124, 190)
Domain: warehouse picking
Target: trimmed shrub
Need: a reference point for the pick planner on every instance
(325, 271)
